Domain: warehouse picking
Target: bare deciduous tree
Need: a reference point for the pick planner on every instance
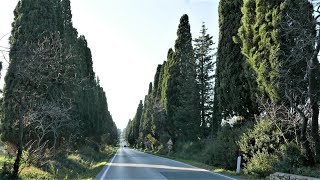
(44, 72)
(302, 93)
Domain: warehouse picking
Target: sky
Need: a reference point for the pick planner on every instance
(128, 39)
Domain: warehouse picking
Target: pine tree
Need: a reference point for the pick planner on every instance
(203, 54)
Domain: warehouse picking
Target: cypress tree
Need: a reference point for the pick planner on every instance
(156, 81)
(165, 79)
(146, 119)
(33, 20)
(136, 121)
(160, 82)
(272, 44)
(182, 93)
(69, 32)
(234, 88)
(129, 133)
(259, 34)
(50, 20)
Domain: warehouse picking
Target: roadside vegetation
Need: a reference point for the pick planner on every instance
(84, 163)
(54, 117)
(255, 95)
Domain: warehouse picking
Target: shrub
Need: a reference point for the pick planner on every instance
(291, 158)
(263, 137)
(261, 163)
(188, 150)
(222, 150)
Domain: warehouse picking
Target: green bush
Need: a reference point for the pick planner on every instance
(222, 150)
(259, 146)
(291, 157)
(188, 150)
(262, 164)
(263, 137)
(309, 171)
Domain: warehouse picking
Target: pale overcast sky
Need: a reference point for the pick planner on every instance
(128, 39)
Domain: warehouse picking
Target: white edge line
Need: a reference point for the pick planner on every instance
(203, 169)
(192, 166)
(109, 164)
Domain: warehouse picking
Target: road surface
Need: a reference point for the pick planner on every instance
(131, 164)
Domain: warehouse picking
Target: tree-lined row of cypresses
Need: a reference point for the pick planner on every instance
(266, 53)
(50, 85)
(179, 101)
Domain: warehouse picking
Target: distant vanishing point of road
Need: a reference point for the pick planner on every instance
(131, 164)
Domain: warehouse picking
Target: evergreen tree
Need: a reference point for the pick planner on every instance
(156, 81)
(43, 37)
(33, 20)
(158, 94)
(203, 54)
(234, 85)
(129, 133)
(261, 43)
(136, 121)
(146, 118)
(165, 79)
(272, 46)
(182, 93)
(69, 32)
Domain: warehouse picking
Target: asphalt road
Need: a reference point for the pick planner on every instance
(131, 164)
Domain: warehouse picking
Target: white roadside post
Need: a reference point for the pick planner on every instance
(238, 164)
(169, 143)
(238, 161)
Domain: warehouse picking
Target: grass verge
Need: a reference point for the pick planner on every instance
(84, 163)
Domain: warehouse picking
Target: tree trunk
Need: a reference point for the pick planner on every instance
(313, 69)
(16, 164)
(305, 143)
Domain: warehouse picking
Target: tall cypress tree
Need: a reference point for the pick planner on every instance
(129, 133)
(182, 93)
(33, 20)
(69, 32)
(165, 79)
(161, 81)
(48, 22)
(234, 88)
(156, 81)
(136, 121)
(259, 34)
(146, 118)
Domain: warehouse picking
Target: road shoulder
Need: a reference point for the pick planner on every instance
(193, 164)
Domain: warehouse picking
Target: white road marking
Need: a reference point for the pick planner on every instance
(203, 169)
(109, 165)
(191, 166)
